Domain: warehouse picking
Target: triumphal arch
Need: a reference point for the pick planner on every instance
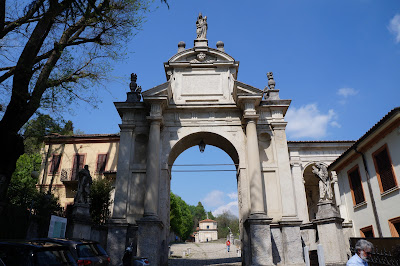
(202, 100)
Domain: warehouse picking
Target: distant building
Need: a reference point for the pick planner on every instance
(63, 157)
(367, 175)
(207, 231)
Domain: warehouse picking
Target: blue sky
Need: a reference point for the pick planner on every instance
(339, 62)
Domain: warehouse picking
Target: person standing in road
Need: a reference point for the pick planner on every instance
(228, 244)
(363, 253)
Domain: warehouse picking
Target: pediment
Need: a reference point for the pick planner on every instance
(200, 56)
(160, 90)
(242, 88)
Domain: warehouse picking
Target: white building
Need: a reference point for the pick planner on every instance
(208, 231)
(368, 174)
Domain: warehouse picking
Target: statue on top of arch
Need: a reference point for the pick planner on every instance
(325, 182)
(201, 27)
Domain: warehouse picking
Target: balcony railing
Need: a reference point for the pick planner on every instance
(69, 175)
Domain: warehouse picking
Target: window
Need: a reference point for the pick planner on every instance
(367, 231)
(101, 163)
(208, 227)
(55, 164)
(79, 160)
(356, 187)
(394, 226)
(384, 169)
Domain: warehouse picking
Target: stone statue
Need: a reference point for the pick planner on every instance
(202, 27)
(271, 81)
(84, 184)
(325, 183)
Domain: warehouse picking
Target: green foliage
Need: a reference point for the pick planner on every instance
(36, 129)
(211, 216)
(22, 189)
(181, 219)
(199, 213)
(100, 200)
(225, 220)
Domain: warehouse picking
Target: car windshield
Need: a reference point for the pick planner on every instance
(54, 257)
(86, 250)
(101, 250)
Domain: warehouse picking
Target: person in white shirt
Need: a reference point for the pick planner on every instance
(363, 253)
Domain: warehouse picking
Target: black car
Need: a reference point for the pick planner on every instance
(33, 253)
(85, 252)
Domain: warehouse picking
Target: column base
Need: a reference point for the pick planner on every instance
(260, 239)
(116, 239)
(329, 226)
(149, 240)
(291, 241)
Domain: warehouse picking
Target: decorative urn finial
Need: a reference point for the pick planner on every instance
(133, 84)
(271, 81)
(135, 94)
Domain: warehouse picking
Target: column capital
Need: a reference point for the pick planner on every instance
(281, 125)
(127, 127)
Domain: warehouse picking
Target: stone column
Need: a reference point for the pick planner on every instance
(298, 180)
(290, 223)
(258, 222)
(153, 170)
(150, 227)
(118, 225)
(254, 170)
(123, 174)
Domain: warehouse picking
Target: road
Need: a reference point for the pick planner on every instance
(198, 254)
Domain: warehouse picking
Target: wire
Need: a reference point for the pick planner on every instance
(201, 164)
(203, 171)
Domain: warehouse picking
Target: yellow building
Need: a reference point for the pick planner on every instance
(63, 157)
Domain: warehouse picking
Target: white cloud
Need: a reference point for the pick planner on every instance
(346, 92)
(231, 207)
(214, 198)
(233, 195)
(394, 27)
(308, 121)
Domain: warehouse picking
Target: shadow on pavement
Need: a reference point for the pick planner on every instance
(199, 262)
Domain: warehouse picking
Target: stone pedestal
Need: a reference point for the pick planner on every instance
(329, 225)
(116, 239)
(200, 43)
(291, 241)
(149, 241)
(260, 239)
(81, 221)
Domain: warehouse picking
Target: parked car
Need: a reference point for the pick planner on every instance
(85, 252)
(32, 253)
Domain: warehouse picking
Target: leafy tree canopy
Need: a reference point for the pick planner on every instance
(181, 219)
(52, 53)
(36, 129)
(100, 200)
(225, 221)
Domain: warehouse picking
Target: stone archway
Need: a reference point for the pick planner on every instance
(202, 99)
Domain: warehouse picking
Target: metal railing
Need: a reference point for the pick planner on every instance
(69, 174)
(386, 251)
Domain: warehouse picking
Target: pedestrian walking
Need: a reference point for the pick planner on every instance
(228, 245)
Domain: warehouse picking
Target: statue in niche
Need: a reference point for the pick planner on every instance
(201, 25)
(84, 184)
(325, 182)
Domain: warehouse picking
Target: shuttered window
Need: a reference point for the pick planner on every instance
(55, 164)
(101, 163)
(384, 169)
(79, 160)
(356, 186)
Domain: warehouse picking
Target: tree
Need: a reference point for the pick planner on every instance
(100, 200)
(36, 129)
(56, 51)
(181, 219)
(198, 213)
(225, 220)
